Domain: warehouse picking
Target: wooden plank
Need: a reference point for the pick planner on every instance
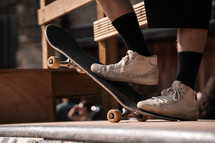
(73, 84)
(26, 96)
(103, 28)
(42, 3)
(108, 53)
(107, 27)
(47, 51)
(58, 8)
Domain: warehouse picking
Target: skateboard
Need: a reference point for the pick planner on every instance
(78, 59)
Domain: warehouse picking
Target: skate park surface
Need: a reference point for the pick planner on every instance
(152, 130)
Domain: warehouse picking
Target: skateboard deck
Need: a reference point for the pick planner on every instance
(126, 95)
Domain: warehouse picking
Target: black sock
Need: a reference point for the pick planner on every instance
(129, 29)
(188, 66)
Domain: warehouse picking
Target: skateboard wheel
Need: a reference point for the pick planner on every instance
(141, 118)
(114, 116)
(53, 62)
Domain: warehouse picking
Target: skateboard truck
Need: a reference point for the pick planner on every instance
(55, 63)
(114, 115)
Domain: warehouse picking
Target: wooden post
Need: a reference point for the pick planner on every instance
(108, 53)
(46, 49)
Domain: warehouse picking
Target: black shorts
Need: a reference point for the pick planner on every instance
(178, 13)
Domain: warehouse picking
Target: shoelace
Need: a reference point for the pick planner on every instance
(169, 91)
(123, 61)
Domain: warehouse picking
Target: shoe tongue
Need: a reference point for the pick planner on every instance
(177, 84)
(129, 52)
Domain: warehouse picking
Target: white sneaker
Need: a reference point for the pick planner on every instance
(133, 68)
(178, 101)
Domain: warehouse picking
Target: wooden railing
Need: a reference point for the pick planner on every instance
(57, 9)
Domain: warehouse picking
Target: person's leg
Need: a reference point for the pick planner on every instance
(138, 66)
(191, 39)
(192, 20)
(115, 8)
(190, 44)
(179, 101)
(123, 18)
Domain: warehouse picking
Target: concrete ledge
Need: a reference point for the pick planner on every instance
(102, 131)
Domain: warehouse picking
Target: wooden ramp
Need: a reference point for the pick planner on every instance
(103, 131)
